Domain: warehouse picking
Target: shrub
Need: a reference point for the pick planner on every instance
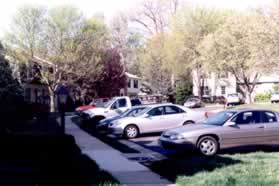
(263, 97)
(276, 88)
(182, 92)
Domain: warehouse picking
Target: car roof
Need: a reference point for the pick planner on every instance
(250, 109)
(139, 106)
(158, 104)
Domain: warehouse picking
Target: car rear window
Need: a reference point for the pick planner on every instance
(135, 102)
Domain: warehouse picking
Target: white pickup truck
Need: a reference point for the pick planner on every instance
(114, 107)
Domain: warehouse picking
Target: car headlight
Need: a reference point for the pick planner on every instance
(177, 137)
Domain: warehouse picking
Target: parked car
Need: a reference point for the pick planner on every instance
(235, 99)
(103, 124)
(206, 99)
(275, 97)
(221, 100)
(193, 103)
(96, 102)
(114, 107)
(229, 128)
(155, 118)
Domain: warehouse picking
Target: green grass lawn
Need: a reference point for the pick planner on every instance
(270, 106)
(252, 169)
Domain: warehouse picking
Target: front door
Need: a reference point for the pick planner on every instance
(248, 130)
(154, 121)
(175, 117)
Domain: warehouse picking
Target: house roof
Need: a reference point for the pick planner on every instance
(131, 76)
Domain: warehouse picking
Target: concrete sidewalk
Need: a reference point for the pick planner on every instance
(127, 172)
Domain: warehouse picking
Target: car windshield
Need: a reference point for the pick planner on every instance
(192, 100)
(220, 118)
(98, 103)
(276, 93)
(107, 104)
(126, 113)
(142, 111)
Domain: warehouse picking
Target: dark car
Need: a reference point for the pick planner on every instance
(103, 124)
(193, 102)
(221, 100)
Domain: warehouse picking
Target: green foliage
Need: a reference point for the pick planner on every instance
(10, 89)
(276, 88)
(263, 97)
(182, 92)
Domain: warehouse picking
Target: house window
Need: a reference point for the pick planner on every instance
(205, 90)
(136, 83)
(223, 90)
(223, 74)
(129, 83)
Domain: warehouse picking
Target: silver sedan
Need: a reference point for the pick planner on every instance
(155, 118)
(226, 129)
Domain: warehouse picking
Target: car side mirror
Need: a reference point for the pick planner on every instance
(146, 115)
(230, 124)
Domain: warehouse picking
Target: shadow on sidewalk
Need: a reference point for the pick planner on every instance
(44, 160)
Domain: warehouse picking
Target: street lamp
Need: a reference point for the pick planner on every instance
(62, 100)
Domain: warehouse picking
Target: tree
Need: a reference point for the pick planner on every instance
(112, 76)
(22, 42)
(155, 15)
(11, 93)
(128, 42)
(152, 66)
(188, 30)
(232, 48)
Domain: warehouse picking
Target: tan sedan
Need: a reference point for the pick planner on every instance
(230, 128)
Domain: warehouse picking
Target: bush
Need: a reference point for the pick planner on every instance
(182, 92)
(276, 88)
(263, 97)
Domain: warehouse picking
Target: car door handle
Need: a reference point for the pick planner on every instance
(261, 127)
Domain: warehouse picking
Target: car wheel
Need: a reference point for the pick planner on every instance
(208, 146)
(188, 123)
(131, 131)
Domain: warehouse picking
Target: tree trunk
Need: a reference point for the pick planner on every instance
(250, 100)
(52, 101)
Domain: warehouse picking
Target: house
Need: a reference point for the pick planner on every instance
(35, 91)
(215, 84)
(133, 85)
(222, 84)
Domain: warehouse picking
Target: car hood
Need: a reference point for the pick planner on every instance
(96, 111)
(110, 119)
(85, 107)
(190, 128)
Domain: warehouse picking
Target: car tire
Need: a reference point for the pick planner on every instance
(208, 146)
(131, 131)
(188, 123)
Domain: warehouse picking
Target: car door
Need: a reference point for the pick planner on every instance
(174, 117)
(271, 127)
(248, 130)
(153, 121)
(112, 110)
(122, 104)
